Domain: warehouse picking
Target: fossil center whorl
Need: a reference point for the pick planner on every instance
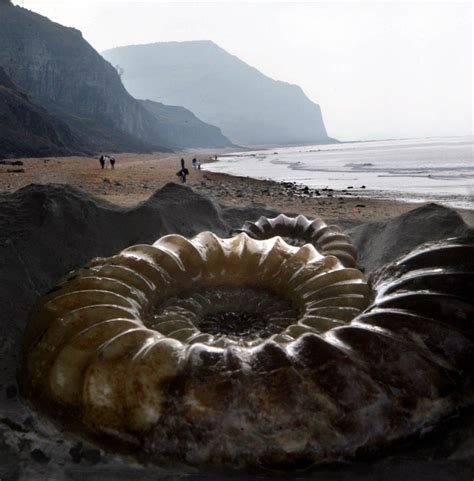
(295, 241)
(243, 315)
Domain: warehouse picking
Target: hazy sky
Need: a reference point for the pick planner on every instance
(378, 70)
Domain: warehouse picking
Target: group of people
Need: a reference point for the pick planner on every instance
(196, 164)
(184, 172)
(106, 160)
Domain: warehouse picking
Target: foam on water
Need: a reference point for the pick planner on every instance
(438, 169)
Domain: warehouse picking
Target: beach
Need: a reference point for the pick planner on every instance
(137, 176)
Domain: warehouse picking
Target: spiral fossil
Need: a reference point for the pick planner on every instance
(329, 239)
(249, 351)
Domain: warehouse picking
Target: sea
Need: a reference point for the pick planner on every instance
(415, 170)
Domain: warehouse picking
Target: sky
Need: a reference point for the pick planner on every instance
(377, 69)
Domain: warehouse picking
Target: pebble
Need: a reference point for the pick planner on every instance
(39, 456)
(76, 453)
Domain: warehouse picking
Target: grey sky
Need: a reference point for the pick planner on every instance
(378, 70)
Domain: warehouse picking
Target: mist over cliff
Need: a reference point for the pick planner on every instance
(61, 72)
(249, 107)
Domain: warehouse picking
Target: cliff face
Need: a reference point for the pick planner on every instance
(184, 127)
(249, 107)
(64, 74)
(26, 129)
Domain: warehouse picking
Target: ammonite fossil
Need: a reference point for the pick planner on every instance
(328, 239)
(251, 352)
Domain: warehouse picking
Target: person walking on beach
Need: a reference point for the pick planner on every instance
(102, 161)
(112, 162)
(199, 165)
(183, 172)
(194, 163)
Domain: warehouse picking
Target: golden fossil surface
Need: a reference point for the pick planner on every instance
(251, 352)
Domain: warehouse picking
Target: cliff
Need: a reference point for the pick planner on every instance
(248, 106)
(64, 74)
(184, 128)
(26, 129)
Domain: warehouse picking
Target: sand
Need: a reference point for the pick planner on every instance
(47, 230)
(137, 176)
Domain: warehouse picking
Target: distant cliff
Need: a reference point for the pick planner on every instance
(249, 107)
(184, 127)
(63, 73)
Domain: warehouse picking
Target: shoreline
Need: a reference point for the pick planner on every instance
(419, 170)
(137, 176)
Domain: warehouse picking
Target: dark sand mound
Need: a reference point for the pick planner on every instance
(380, 242)
(46, 231)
